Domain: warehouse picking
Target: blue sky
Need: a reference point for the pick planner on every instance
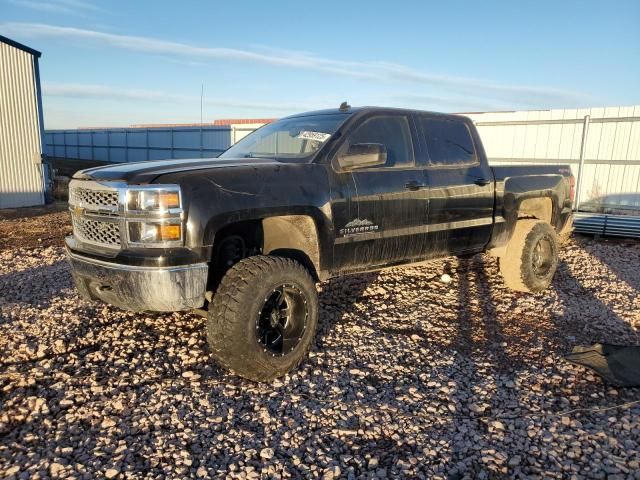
(125, 62)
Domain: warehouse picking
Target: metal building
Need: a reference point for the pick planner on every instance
(21, 127)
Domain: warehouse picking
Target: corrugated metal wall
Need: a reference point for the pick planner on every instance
(611, 174)
(21, 181)
(138, 144)
(241, 130)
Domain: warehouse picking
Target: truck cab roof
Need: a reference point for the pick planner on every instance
(367, 110)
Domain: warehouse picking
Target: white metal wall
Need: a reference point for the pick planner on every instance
(241, 130)
(21, 182)
(611, 173)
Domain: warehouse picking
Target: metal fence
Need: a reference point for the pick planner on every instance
(602, 146)
(138, 144)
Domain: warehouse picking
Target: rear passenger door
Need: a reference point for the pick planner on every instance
(461, 186)
(380, 212)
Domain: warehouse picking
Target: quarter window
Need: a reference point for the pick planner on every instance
(448, 141)
(391, 131)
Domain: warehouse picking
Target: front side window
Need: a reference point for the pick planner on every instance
(289, 138)
(448, 141)
(391, 131)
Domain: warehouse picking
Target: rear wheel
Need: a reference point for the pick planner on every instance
(263, 317)
(531, 258)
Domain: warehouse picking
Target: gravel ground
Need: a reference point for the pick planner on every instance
(34, 226)
(410, 376)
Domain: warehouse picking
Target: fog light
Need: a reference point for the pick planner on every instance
(154, 232)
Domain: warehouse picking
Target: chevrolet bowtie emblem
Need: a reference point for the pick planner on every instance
(78, 210)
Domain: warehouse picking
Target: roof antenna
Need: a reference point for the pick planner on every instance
(344, 106)
(201, 100)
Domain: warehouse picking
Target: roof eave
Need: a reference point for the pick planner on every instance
(20, 46)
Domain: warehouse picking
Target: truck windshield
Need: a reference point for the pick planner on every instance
(289, 138)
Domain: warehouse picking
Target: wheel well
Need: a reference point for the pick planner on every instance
(290, 236)
(232, 243)
(293, 236)
(539, 207)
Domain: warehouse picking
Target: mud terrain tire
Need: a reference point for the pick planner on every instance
(258, 299)
(531, 257)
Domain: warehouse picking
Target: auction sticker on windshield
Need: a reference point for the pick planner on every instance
(318, 136)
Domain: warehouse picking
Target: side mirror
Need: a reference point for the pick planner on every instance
(361, 155)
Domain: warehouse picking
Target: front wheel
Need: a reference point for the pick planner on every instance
(263, 318)
(531, 258)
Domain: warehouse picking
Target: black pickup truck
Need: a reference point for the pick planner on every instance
(243, 238)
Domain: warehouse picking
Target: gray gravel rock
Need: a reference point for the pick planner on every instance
(410, 377)
(111, 473)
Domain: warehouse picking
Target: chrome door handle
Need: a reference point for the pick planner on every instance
(413, 185)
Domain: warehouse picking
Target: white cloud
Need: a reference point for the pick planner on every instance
(80, 4)
(75, 7)
(143, 99)
(101, 92)
(446, 103)
(523, 95)
(516, 95)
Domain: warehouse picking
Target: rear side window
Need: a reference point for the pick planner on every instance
(391, 131)
(448, 141)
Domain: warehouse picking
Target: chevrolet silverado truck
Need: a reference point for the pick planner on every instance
(244, 238)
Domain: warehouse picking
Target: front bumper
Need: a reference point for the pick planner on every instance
(160, 289)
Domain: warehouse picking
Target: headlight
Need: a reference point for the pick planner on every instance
(154, 216)
(159, 199)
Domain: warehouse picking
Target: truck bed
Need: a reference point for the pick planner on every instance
(519, 191)
(502, 172)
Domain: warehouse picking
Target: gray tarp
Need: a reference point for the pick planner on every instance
(616, 364)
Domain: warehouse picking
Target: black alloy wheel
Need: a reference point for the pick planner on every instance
(543, 256)
(282, 320)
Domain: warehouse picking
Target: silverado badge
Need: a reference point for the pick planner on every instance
(358, 226)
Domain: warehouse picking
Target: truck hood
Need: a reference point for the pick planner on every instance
(146, 172)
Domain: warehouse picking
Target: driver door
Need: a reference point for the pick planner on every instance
(379, 212)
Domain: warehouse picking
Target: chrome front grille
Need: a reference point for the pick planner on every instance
(86, 198)
(96, 231)
(95, 213)
(103, 212)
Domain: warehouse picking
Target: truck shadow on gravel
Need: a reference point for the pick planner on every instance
(516, 334)
(340, 298)
(583, 317)
(494, 348)
(48, 280)
(478, 334)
